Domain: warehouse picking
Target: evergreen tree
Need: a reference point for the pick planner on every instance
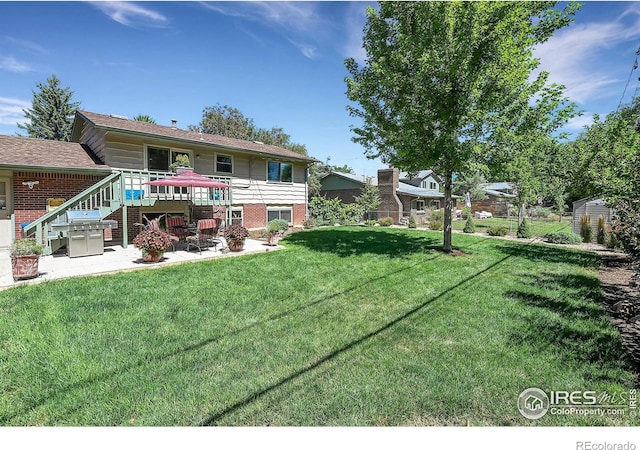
(52, 111)
(144, 118)
(524, 231)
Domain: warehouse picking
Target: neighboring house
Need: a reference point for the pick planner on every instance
(398, 197)
(110, 158)
(499, 199)
(593, 208)
(344, 186)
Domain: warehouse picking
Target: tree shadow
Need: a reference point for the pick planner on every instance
(546, 253)
(570, 318)
(345, 241)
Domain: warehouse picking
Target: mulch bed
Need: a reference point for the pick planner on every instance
(621, 297)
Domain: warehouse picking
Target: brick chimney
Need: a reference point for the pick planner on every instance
(390, 204)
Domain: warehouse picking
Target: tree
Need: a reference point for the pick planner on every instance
(230, 122)
(369, 198)
(144, 118)
(52, 112)
(441, 76)
(472, 183)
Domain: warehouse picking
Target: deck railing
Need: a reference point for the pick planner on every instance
(123, 188)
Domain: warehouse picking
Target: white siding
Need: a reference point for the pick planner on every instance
(258, 191)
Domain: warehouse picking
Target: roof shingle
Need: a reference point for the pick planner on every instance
(30, 152)
(123, 124)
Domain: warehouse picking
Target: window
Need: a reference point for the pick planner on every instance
(435, 204)
(159, 158)
(236, 216)
(420, 205)
(433, 185)
(279, 172)
(224, 163)
(283, 213)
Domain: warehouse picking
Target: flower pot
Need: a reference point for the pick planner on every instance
(236, 245)
(181, 170)
(152, 256)
(24, 266)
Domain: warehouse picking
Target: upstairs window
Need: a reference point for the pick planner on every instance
(224, 163)
(159, 158)
(279, 172)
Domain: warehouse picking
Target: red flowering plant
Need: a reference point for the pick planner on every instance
(156, 241)
(236, 232)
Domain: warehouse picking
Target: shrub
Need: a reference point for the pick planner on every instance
(497, 230)
(524, 231)
(412, 222)
(23, 247)
(563, 237)
(585, 228)
(370, 223)
(309, 223)
(385, 222)
(435, 225)
(438, 215)
(466, 212)
(277, 225)
(540, 212)
(601, 236)
(470, 226)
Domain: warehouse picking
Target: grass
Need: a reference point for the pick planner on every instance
(347, 326)
(539, 227)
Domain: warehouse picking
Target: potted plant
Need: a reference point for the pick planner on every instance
(153, 244)
(235, 235)
(275, 230)
(25, 254)
(181, 164)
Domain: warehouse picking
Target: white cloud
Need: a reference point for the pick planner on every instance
(579, 123)
(355, 20)
(10, 64)
(577, 57)
(11, 110)
(299, 22)
(130, 14)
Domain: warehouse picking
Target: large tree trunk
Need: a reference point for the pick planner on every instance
(448, 206)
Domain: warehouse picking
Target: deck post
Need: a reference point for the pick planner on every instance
(125, 228)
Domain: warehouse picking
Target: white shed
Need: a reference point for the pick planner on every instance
(593, 208)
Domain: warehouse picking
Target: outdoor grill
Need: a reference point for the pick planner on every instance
(84, 230)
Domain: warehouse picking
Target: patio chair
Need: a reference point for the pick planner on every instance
(177, 229)
(206, 235)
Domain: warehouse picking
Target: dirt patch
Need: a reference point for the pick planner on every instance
(621, 297)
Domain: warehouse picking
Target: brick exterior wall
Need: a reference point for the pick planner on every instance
(497, 206)
(254, 215)
(299, 215)
(31, 204)
(390, 205)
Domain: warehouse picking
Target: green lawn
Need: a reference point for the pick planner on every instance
(539, 227)
(347, 326)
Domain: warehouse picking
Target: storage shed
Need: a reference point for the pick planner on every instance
(593, 208)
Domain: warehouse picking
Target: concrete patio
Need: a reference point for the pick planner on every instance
(116, 259)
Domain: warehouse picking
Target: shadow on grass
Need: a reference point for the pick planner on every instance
(150, 359)
(569, 321)
(346, 241)
(546, 253)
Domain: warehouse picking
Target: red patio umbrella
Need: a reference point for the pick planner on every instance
(188, 179)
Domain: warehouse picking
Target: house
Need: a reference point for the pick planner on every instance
(498, 201)
(400, 197)
(111, 157)
(593, 208)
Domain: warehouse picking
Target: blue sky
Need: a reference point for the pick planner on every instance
(281, 64)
